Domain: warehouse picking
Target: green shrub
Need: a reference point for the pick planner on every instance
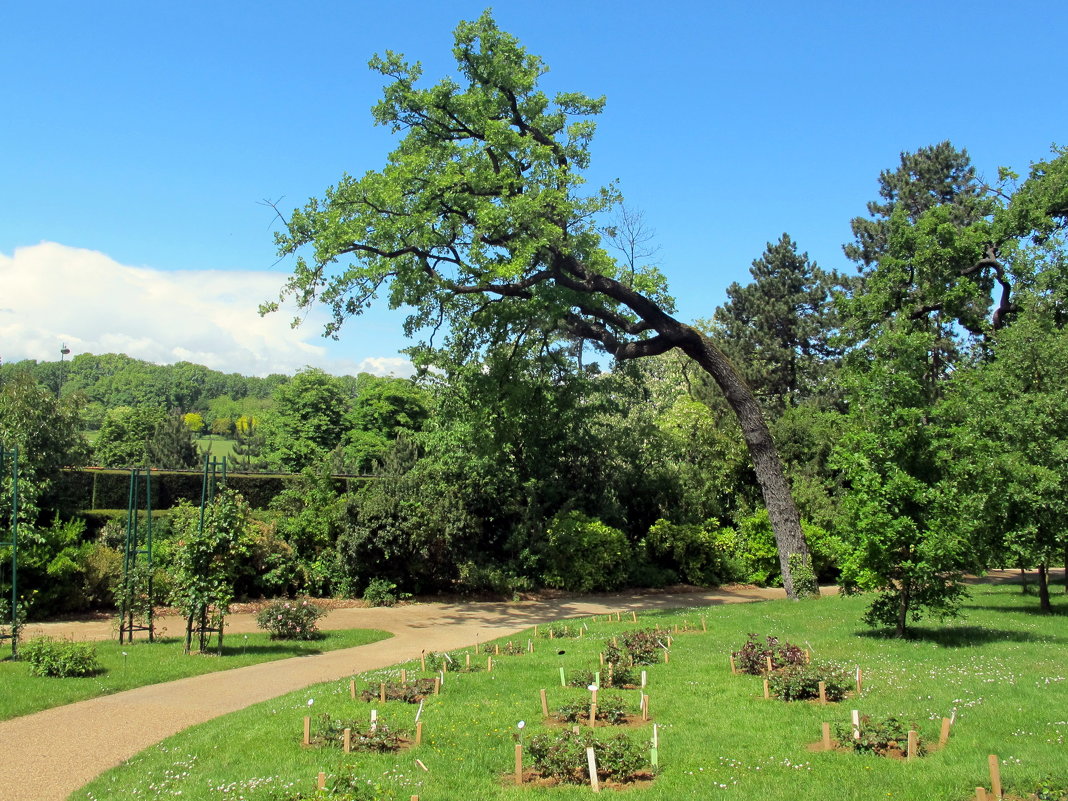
(290, 620)
(883, 736)
(562, 756)
(60, 658)
(640, 647)
(610, 709)
(700, 554)
(380, 740)
(802, 682)
(752, 657)
(380, 592)
(583, 554)
(805, 584)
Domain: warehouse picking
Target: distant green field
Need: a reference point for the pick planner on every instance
(216, 446)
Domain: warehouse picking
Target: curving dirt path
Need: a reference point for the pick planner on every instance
(113, 728)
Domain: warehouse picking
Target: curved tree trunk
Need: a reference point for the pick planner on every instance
(782, 512)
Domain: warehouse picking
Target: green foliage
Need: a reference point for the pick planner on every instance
(380, 592)
(308, 421)
(700, 554)
(883, 736)
(562, 756)
(801, 682)
(610, 709)
(777, 329)
(638, 647)
(379, 740)
(611, 675)
(46, 432)
(173, 444)
(125, 436)
(207, 558)
(60, 658)
(290, 620)
(805, 584)
(752, 657)
(411, 692)
(584, 555)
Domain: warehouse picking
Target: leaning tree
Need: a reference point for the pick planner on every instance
(478, 223)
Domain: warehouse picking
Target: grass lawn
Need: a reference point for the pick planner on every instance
(1002, 668)
(218, 447)
(152, 663)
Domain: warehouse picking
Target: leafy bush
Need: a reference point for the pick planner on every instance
(610, 709)
(562, 756)
(410, 692)
(583, 554)
(883, 736)
(640, 647)
(804, 577)
(556, 631)
(382, 740)
(289, 620)
(699, 553)
(802, 682)
(380, 592)
(752, 657)
(60, 658)
(611, 676)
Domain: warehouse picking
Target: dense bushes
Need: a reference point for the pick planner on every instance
(60, 659)
(583, 554)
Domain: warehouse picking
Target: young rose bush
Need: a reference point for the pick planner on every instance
(290, 620)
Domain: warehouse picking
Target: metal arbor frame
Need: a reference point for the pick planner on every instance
(204, 625)
(13, 542)
(137, 546)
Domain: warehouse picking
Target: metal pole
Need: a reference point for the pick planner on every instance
(14, 551)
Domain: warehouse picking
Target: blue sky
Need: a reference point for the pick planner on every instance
(139, 139)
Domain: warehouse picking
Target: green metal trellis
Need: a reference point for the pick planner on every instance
(12, 457)
(137, 578)
(205, 624)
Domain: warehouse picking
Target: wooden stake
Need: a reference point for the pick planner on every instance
(419, 733)
(593, 714)
(468, 660)
(913, 744)
(823, 692)
(518, 763)
(860, 680)
(634, 617)
(404, 676)
(544, 705)
(322, 780)
(382, 692)
(530, 646)
(767, 659)
(656, 737)
(437, 685)
(550, 634)
(645, 712)
(734, 670)
(352, 689)
(419, 762)
(644, 679)
(618, 618)
(995, 775)
(667, 656)
(374, 720)
(591, 760)
(602, 657)
(535, 630)
(980, 794)
(593, 694)
(808, 657)
(943, 736)
(826, 736)
(496, 649)
(422, 659)
(767, 690)
(704, 624)
(415, 798)
(347, 741)
(307, 730)
(856, 724)
(489, 664)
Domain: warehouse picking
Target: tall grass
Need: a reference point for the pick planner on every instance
(1002, 669)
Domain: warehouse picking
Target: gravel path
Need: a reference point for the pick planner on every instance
(38, 764)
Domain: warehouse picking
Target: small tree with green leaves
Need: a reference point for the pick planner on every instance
(211, 545)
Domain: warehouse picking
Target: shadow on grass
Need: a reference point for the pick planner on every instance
(234, 646)
(960, 636)
(1059, 610)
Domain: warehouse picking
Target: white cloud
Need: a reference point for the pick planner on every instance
(56, 294)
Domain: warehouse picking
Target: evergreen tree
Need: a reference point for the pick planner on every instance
(776, 329)
(172, 444)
